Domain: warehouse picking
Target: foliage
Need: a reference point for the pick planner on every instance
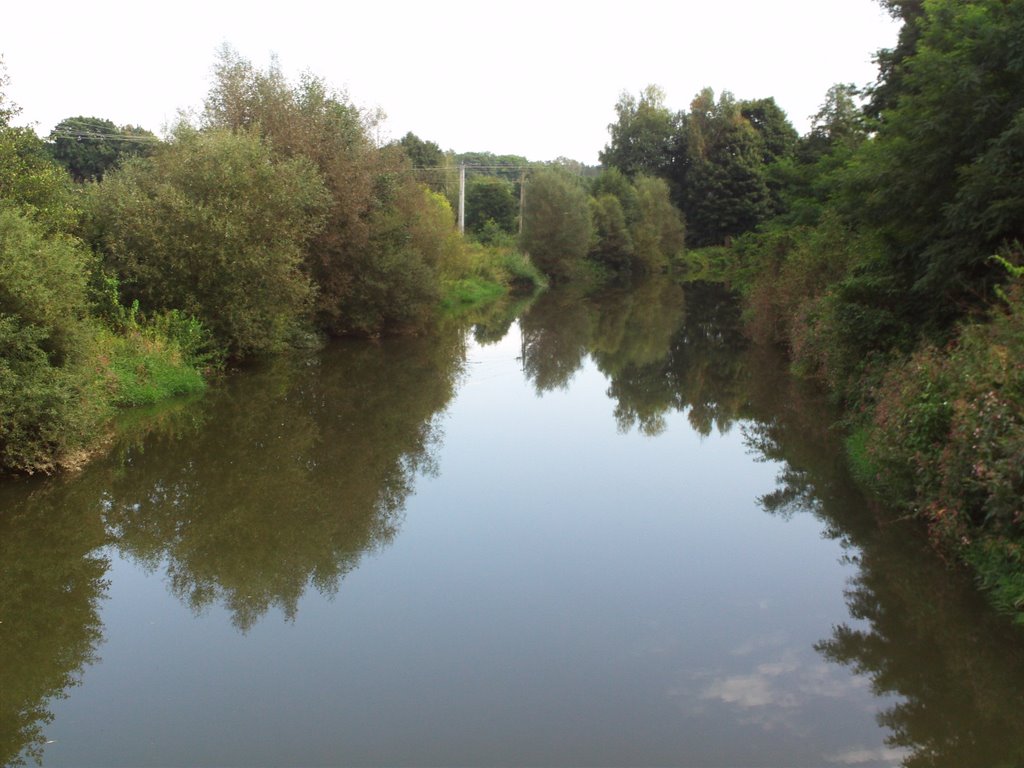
(947, 441)
(613, 243)
(369, 277)
(90, 146)
(50, 406)
(489, 273)
(939, 182)
(642, 136)
(612, 181)
(557, 229)
(803, 288)
(422, 154)
(149, 360)
(778, 136)
(657, 230)
(411, 237)
(507, 167)
(719, 171)
(489, 199)
(31, 182)
(214, 225)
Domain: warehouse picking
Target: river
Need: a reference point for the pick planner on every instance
(597, 530)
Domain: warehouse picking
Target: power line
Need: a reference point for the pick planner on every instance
(91, 136)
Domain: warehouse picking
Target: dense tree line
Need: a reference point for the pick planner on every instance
(130, 264)
(883, 249)
(716, 157)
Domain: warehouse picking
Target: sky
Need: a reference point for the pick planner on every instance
(532, 78)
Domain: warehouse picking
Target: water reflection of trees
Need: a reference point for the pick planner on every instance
(51, 584)
(281, 479)
(662, 350)
(298, 472)
(920, 630)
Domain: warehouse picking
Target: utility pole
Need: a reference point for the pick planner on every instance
(522, 197)
(462, 198)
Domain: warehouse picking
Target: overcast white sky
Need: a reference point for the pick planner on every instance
(531, 78)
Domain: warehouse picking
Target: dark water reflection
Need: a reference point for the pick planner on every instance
(287, 477)
(290, 475)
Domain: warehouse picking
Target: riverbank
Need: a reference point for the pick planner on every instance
(935, 427)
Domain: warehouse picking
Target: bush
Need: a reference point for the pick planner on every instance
(947, 442)
(50, 402)
(214, 225)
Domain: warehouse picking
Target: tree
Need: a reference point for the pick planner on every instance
(719, 171)
(31, 182)
(50, 401)
(612, 181)
(778, 136)
(613, 243)
(490, 199)
(215, 225)
(804, 182)
(422, 154)
(642, 135)
(839, 124)
(89, 146)
(939, 181)
(885, 92)
(434, 167)
(657, 232)
(557, 229)
(348, 259)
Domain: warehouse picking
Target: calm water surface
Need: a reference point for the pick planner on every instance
(606, 533)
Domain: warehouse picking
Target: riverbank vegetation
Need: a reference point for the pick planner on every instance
(133, 268)
(883, 251)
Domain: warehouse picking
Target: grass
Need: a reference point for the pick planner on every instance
(471, 292)
(140, 370)
(489, 273)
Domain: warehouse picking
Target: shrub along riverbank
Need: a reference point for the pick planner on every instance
(271, 222)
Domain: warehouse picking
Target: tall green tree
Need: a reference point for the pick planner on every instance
(642, 136)
(613, 242)
(366, 281)
(940, 181)
(719, 170)
(657, 232)
(778, 136)
(215, 225)
(422, 154)
(557, 228)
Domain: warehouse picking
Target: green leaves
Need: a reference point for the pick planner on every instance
(557, 229)
(215, 225)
